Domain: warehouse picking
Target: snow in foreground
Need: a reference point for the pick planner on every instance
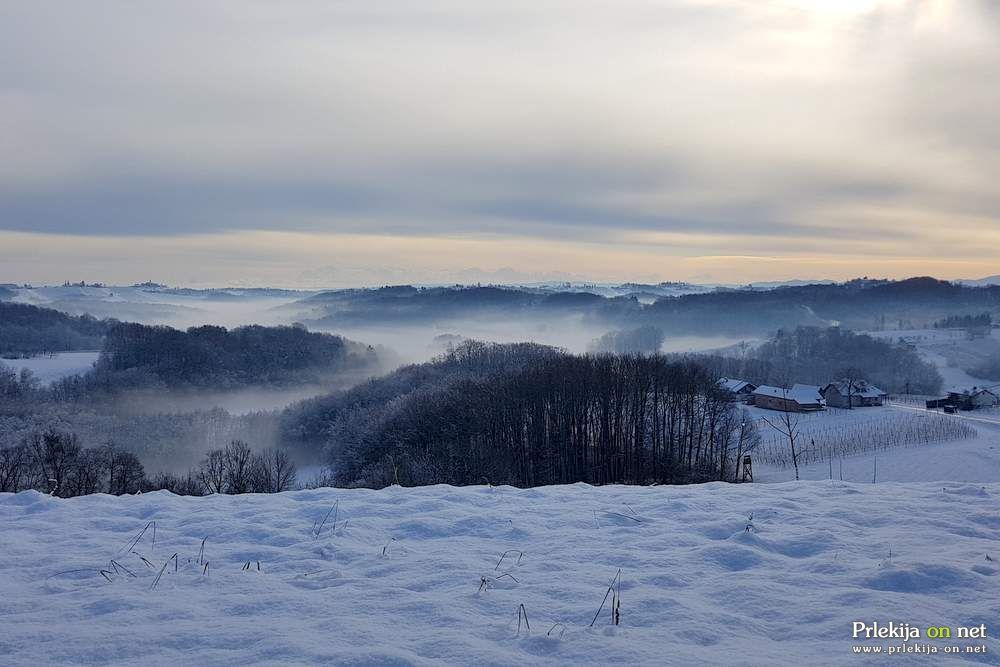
(396, 576)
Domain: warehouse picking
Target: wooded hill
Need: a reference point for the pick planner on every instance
(27, 330)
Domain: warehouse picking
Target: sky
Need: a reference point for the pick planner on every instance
(322, 143)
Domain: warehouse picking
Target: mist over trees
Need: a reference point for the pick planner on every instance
(642, 340)
(29, 330)
(126, 397)
(815, 355)
(858, 304)
(169, 441)
(211, 356)
(137, 356)
(524, 414)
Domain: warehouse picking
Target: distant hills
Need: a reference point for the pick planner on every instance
(982, 282)
(857, 304)
(27, 330)
(676, 308)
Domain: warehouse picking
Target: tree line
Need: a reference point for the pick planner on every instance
(54, 462)
(817, 355)
(646, 340)
(215, 357)
(983, 320)
(747, 312)
(27, 331)
(563, 418)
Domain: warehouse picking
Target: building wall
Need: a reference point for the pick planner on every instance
(984, 400)
(776, 403)
(835, 398)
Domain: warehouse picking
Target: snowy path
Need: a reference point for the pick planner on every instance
(698, 588)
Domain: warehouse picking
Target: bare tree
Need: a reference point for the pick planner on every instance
(238, 459)
(787, 424)
(13, 468)
(212, 472)
(88, 475)
(54, 456)
(854, 379)
(125, 473)
(188, 485)
(274, 471)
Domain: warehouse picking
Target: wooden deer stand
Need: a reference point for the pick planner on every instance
(747, 469)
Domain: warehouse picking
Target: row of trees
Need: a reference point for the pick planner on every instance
(983, 320)
(237, 469)
(137, 356)
(56, 463)
(600, 419)
(645, 339)
(817, 355)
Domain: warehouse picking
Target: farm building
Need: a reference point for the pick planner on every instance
(968, 399)
(977, 397)
(800, 398)
(845, 394)
(740, 389)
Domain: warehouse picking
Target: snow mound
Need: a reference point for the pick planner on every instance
(711, 574)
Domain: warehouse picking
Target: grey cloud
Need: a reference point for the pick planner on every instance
(583, 118)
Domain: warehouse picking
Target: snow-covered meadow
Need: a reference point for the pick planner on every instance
(711, 574)
(52, 367)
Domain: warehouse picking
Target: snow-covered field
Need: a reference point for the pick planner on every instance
(49, 368)
(414, 575)
(974, 461)
(950, 350)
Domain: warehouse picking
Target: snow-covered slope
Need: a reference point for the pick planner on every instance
(49, 368)
(397, 576)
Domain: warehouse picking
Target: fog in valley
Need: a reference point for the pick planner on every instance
(303, 370)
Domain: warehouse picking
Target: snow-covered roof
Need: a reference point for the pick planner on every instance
(801, 393)
(734, 385)
(860, 388)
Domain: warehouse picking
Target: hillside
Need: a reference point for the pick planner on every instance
(216, 357)
(857, 304)
(415, 576)
(28, 330)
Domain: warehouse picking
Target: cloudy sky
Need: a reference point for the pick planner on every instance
(338, 142)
